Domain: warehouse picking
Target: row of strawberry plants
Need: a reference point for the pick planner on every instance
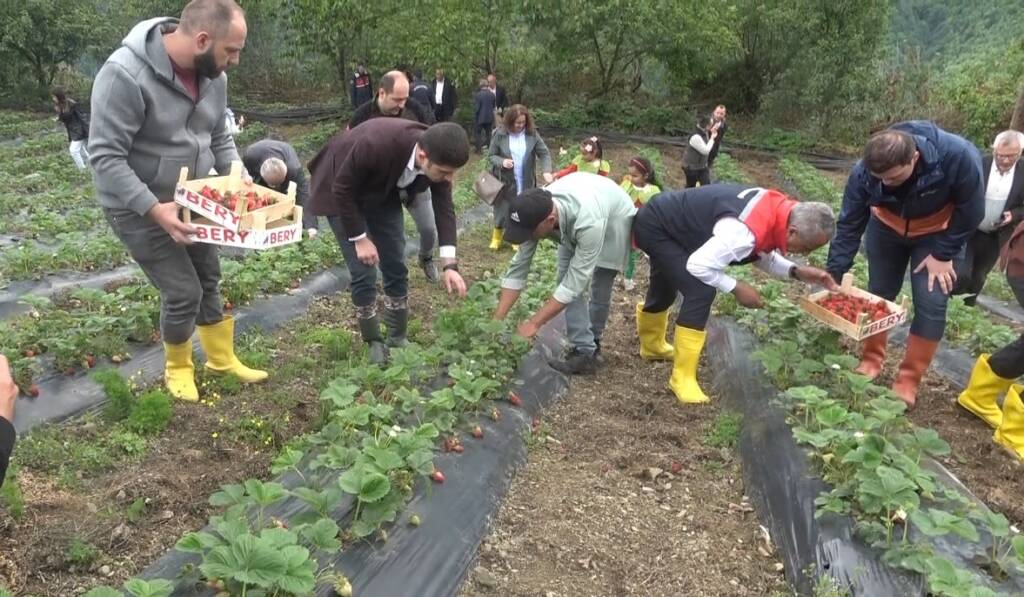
(75, 251)
(872, 456)
(967, 327)
(381, 432)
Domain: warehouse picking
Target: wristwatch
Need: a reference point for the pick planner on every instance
(451, 266)
(792, 271)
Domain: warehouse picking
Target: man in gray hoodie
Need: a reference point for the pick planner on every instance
(158, 104)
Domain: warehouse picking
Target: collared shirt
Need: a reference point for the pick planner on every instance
(996, 193)
(408, 176)
(731, 241)
(439, 93)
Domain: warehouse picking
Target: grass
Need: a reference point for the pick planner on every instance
(724, 431)
(80, 552)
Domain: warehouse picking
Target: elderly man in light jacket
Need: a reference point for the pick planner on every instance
(591, 216)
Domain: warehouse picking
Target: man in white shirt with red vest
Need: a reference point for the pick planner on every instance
(691, 236)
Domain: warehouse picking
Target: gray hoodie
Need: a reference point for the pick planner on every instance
(145, 126)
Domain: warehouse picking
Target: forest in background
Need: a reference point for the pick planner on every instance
(802, 71)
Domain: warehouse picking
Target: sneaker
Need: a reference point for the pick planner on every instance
(577, 363)
(429, 268)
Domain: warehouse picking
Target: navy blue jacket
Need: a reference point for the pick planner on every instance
(948, 171)
(484, 103)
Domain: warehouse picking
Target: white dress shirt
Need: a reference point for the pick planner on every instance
(439, 93)
(731, 241)
(996, 193)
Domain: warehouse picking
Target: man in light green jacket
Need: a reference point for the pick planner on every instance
(592, 218)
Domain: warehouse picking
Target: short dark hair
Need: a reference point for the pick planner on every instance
(888, 149)
(418, 73)
(446, 144)
(212, 16)
(704, 121)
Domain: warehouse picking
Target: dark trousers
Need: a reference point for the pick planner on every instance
(1008, 362)
(385, 228)
(440, 115)
(482, 134)
(889, 254)
(702, 176)
(669, 275)
(187, 276)
(980, 257)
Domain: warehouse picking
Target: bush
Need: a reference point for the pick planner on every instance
(151, 414)
(119, 394)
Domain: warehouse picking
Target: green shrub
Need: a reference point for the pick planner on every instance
(119, 394)
(151, 414)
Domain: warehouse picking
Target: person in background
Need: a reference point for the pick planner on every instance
(695, 155)
(360, 179)
(500, 96)
(719, 126)
(360, 87)
(590, 160)
(235, 126)
(691, 237)
(591, 217)
(393, 101)
(483, 115)
(443, 96)
(71, 115)
(995, 374)
(918, 193)
(419, 89)
(274, 164)
(1004, 209)
(516, 147)
(640, 184)
(8, 394)
(158, 104)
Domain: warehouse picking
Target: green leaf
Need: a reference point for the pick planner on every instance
(323, 535)
(373, 486)
(277, 537)
(421, 461)
(340, 393)
(1018, 547)
(832, 416)
(230, 527)
(219, 563)
(289, 458)
(229, 495)
(258, 562)
(351, 480)
(385, 459)
(265, 494)
(154, 588)
(197, 542)
(299, 577)
(97, 592)
(321, 501)
(928, 441)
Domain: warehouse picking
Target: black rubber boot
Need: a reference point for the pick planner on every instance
(429, 268)
(576, 363)
(377, 351)
(397, 323)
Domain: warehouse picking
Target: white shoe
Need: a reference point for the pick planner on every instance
(629, 285)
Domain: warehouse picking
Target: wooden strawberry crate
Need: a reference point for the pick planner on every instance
(862, 328)
(280, 232)
(189, 194)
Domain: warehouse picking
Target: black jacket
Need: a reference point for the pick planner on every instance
(422, 92)
(484, 103)
(261, 151)
(501, 98)
(717, 144)
(449, 99)
(360, 89)
(75, 121)
(7, 436)
(414, 111)
(1014, 201)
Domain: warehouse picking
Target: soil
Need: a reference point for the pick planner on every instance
(585, 516)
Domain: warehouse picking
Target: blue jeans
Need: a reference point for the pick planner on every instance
(587, 316)
(888, 256)
(384, 226)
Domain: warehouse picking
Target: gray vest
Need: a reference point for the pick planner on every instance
(693, 159)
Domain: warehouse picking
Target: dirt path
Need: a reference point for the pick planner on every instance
(590, 513)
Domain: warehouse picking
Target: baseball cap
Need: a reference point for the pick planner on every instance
(526, 212)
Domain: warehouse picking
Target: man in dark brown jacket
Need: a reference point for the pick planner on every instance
(360, 181)
(995, 374)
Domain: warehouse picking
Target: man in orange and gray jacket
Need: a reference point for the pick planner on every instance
(995, 374)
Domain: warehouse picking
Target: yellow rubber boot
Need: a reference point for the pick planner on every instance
(688, 345)
(218, 342)
(980, 395)
(496, 235)
(1010, 433)
(179, 373)
(651, 329)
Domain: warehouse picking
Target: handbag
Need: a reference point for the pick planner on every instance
(488, 187)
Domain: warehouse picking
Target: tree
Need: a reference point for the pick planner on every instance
(1017, 121)
(44, 34)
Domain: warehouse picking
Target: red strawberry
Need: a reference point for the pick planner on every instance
(228, 306)
(437, 476)
(29, 353)
(515, 399)
(676, 467)
(90, 361)
(33, 391)
(478, 433)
